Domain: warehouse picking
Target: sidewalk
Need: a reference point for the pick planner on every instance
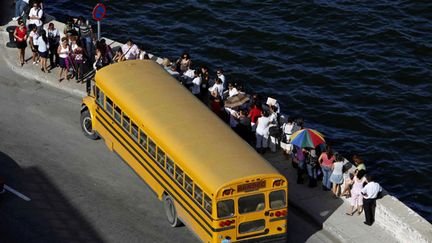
(395, 222)
(325, 210)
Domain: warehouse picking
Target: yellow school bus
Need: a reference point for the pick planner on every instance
(207, 177)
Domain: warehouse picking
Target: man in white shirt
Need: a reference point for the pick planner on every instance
(130, 50)
(370, 193)
(35, 16)
(219, 73)
(196, 84)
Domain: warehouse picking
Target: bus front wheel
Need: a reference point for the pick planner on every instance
(86, 125)
(171, 212)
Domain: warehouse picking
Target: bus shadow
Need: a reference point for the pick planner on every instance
(312, 205)
(48, 217)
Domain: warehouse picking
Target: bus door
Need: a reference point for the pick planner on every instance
(252, 218)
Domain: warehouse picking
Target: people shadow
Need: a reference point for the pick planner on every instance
(47, 217)
(312, 205)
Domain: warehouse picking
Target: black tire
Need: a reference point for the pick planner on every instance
(171, 212)
(86, 125)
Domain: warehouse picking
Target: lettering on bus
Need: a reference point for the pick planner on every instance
(251, 186)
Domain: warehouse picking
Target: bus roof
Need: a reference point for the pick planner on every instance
(182, 125)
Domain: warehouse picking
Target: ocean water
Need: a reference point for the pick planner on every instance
(358, 71)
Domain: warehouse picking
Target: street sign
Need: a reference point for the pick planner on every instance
(99, 12)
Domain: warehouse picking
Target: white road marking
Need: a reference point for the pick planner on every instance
(17, 193)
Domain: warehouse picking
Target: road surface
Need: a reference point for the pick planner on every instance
(79, 190)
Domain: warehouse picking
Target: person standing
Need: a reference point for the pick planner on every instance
(20, 35)
(311, 166)
(130, 50)
(43, 50)
(262, 132)
(326, 162)
(370, 193)
(78, 55)
(356, 199)
(86, 33)
(205, 79)
(196, 84)
(337, 175)
(184, 62)
(35, 16)
(54, 42)
(358, 161)
(33, 43)
(63, 52)
(221, 76)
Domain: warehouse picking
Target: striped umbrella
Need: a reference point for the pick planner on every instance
(307, 138)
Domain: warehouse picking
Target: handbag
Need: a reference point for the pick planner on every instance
(274, 131)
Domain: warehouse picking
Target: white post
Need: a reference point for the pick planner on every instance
(98, 30)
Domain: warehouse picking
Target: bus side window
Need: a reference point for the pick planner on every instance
(152, 148)
(134, 131)
(179, 175)
(188, 184)
(143, 139)
(161, 157)
(170, 166)
(126, 122)
(207, 203)
(109, 106)
(198, 194)
(99, 97)
(117, 114)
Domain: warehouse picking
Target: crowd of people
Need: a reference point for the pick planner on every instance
(259, 123)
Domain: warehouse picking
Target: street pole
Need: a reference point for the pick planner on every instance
(98, 31)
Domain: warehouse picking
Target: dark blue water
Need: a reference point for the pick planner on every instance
(358, 71)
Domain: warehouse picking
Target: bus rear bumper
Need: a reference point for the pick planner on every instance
(273, 238)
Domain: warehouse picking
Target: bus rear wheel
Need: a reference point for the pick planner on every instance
(171, 212)
(86, 125)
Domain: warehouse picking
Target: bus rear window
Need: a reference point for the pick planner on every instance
(250, 204)
(225, 208)
(277, 199)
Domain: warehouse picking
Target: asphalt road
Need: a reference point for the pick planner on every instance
(79, 190)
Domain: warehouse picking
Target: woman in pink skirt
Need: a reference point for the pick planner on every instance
(356, 196)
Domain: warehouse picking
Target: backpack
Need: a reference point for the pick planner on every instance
(311, 160)
(43, 18)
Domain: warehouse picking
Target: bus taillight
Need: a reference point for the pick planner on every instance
(226, 223)
(279, 213)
